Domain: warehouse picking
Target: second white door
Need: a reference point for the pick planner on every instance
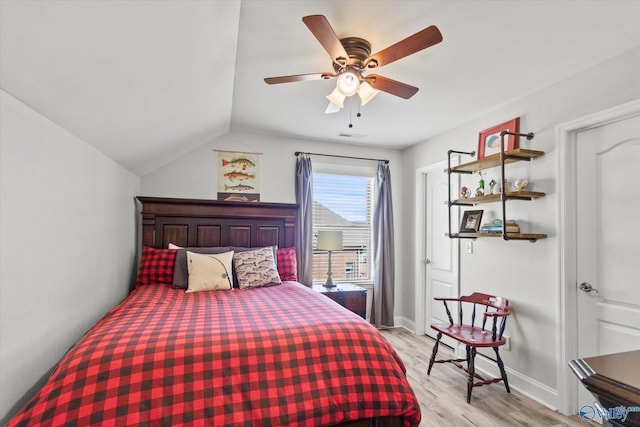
(441, 262)
(608, 235)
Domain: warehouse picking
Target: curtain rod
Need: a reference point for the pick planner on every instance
(342, 157)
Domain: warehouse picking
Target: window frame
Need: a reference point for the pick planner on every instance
(345, 167)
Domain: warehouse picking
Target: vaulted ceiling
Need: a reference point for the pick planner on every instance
(147, 81)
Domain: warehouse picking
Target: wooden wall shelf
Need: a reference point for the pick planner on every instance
(511, 236)
(517, 155)
(490, 198)
(496, 160)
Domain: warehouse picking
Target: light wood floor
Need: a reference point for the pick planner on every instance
(442, 395)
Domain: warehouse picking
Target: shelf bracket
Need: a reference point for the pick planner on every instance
(531, 240)
(503, 196)
(529, 135)
(449, 203)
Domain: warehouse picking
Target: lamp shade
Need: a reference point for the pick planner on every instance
(329, 240)
(348, 82)
(331, 108)
(336, 97)
(366, 92)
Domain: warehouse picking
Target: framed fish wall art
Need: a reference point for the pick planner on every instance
(238, 176)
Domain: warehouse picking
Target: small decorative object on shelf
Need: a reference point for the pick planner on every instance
(521, 184)
(480, 189)
(491, 140)
(471, 221)
(495, 226)
(465, 192)
(492, 186)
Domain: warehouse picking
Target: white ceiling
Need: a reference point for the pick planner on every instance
(147, 81)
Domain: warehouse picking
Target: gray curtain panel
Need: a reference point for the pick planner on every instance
(383, 255)
(304, 225)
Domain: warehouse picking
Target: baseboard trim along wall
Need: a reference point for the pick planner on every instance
(525, 385)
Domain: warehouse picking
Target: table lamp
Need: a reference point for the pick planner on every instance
(329, 240)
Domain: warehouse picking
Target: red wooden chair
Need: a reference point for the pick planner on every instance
(473, 336)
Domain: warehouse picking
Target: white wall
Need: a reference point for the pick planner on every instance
(67, 221)
(194, 174)
(525, 273)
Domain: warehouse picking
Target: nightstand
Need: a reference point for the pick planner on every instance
(348, 295)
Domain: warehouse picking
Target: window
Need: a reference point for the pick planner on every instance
(343, 202)
(349, 269)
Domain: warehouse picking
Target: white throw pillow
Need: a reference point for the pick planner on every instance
(209, 272)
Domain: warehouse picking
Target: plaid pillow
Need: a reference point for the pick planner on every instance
(287, 264)
(156, 266)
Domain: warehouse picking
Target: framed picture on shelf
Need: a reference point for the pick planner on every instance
(489, 140)
(471, 221)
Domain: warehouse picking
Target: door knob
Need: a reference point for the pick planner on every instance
(427, 261)
(587, 288)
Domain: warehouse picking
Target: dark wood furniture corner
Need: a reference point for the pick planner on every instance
(350, 296)
(614, 380)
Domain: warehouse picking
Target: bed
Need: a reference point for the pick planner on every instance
(258, 356)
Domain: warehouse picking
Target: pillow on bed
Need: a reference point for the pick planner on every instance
(287, 264)
(156, 266)
(237, 249)
(209, 272)
(256, 268)
(244, 249)
(181, 272)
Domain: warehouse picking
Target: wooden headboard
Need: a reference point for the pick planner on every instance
(196, 223)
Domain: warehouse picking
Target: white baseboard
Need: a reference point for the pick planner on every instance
(529, 387)
(401, 321)
(525, 385)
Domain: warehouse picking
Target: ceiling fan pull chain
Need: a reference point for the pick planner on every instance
(350, 105)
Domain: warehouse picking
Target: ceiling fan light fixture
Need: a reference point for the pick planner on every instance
(366, 92)
(336, 97)
(348, 82)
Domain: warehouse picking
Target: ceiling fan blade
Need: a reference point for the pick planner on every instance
(412, 44)
(393, 87)
(298, 78)
(322, 30)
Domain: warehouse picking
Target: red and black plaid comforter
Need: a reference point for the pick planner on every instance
(276, 356)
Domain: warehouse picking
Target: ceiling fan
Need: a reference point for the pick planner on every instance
(352, 58)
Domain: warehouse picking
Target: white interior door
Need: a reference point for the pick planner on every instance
(442, 253)
(608, 240)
